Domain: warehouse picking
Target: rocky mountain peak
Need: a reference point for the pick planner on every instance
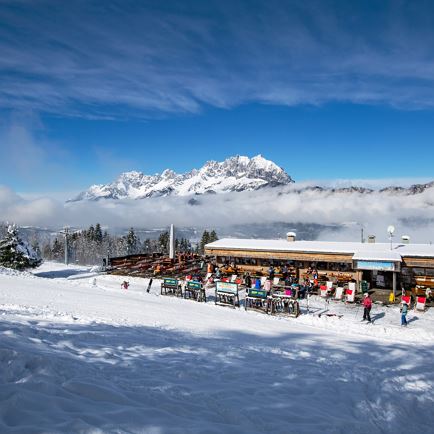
(237, 173)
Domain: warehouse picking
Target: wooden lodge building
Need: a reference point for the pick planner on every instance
(382, 265)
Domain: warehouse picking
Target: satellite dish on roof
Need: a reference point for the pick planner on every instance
(391, 229)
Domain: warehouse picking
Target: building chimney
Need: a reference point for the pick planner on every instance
(290, 236)
(371, 239)
(405, 239)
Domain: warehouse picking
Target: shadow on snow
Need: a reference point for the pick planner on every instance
(75, 377)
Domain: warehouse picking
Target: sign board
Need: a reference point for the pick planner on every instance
(227, 287)
(259, 293)
(376, 265)
(171, 282)
(194, 285)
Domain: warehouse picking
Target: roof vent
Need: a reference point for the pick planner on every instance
(405, 239)
(371, 239)
(290, 236)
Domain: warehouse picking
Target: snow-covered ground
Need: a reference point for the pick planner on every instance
(75, 357)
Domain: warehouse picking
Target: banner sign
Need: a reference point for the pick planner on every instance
(171, 282)
(259, 293)
(376, 265)
(227, 287)
(194, 285)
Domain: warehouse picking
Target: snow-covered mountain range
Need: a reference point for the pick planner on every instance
(234, 174)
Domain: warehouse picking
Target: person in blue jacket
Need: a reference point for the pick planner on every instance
(404, 310)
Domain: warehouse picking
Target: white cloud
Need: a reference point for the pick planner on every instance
(412, 215)
(121, 60)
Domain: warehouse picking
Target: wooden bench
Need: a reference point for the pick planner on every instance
(226, 294)
(256, 299)
(194, 290)
(170, 286)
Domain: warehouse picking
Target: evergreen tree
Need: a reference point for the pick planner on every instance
(15, 253)
(132, 242)
(46, 251)
(58, 250)
(98, 233)
(91, 233)
(204, 240)
(147, 245)
(163, 241)
(213, 236)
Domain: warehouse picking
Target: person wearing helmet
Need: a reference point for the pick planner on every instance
(367, 304)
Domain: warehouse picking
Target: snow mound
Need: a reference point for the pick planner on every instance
(4, 271)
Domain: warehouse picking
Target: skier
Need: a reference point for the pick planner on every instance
(367, 304)
(125, 284)
(404, 310)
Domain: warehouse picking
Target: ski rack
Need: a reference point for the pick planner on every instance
(256, 299)
(194, 290)
(226, 294)
(171, 286)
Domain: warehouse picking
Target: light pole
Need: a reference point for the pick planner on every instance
(66, 233)
(391, 230)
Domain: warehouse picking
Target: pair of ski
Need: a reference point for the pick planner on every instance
(329, 314)
(148, 289)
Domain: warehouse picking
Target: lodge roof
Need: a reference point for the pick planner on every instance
(360, 251)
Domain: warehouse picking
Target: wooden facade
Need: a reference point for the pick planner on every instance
(418, 262)
(285, 256)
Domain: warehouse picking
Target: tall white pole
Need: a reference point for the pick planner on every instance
(172, 242)
(66, 245)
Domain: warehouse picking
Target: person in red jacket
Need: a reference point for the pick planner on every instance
(367, 304)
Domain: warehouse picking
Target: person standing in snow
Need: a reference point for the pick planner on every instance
(367, 304)
(404, 311)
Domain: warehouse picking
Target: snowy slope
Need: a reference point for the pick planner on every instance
(81, 358)
(234, 174)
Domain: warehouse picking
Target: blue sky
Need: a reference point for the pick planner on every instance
(326, 89)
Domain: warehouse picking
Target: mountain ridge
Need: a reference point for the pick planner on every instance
(234, 174)
(237, 173)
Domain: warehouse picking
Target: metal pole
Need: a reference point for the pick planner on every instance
(66, 246)
(172, 242)
(394, 284)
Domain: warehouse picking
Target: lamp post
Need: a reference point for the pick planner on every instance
(391, 230)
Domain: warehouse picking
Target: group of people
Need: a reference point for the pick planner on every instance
(290, 284)
(367, 306)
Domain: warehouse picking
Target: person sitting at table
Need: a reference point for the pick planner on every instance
(247, 281)
(267, 286)
(284, 272)
(302, 291)
(271, 272)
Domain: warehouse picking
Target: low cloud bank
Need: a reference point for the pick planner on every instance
(411, 214)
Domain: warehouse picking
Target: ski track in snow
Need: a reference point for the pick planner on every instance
(81, 358)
